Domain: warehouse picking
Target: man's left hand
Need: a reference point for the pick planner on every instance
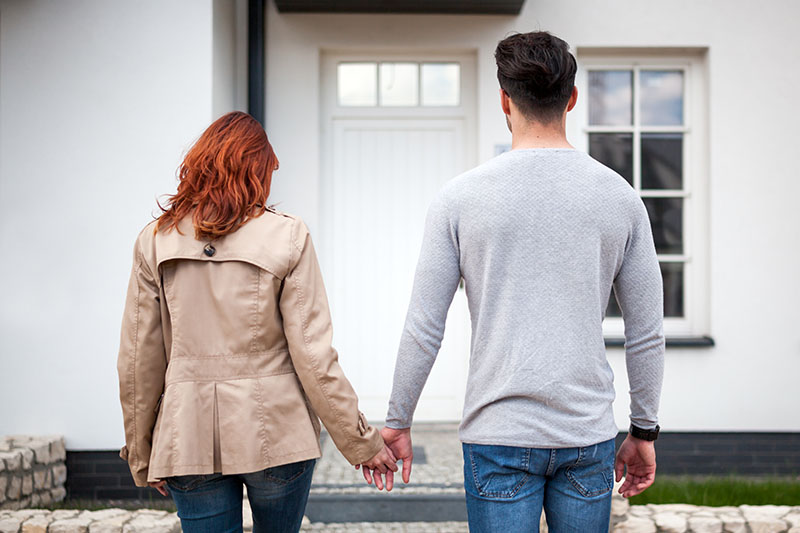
(639, 456)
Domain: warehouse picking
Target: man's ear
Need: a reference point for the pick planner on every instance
(573, 99)
(505, 102)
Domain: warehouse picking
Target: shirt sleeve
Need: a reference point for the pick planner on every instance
(308, 330)
(141, 366)
(639, 292)
(435, 282)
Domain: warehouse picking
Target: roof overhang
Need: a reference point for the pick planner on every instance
(448, 7)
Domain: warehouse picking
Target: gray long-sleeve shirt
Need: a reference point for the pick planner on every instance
(539, 236)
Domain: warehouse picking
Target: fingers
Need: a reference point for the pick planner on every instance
(358, 466)
(378, 480)
(367, 475)
(163, 490)
(407, 468)
(389, 481)
(619, 469)
(635, 485)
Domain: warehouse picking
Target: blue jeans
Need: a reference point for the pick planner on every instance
(212, 503)
(508, 486)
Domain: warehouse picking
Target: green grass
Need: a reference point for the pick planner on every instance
(721, 491)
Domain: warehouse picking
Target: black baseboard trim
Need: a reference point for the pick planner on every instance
(102, 475)
(727, 453)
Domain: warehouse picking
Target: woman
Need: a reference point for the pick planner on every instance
(225, 358)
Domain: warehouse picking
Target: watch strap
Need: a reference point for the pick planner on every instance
(644, 434)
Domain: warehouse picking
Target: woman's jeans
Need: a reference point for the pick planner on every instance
(508, 486)
(212, 503)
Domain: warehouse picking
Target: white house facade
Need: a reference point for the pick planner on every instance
(369, 114)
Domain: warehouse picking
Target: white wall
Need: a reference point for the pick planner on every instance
(749, 380)
(98, 102)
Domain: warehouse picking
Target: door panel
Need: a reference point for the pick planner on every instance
(385, 172)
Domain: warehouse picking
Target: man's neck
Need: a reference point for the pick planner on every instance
(537, 135)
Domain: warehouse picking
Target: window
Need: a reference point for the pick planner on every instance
(636, 118)
(398, 84)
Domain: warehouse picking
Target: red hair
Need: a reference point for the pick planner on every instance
(224, 179)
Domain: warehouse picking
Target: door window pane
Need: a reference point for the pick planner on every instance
(673, 289)
(357, 84)
(662, 160)
(399, 84)
(610, 97)
(661, 97)
(666, 219)
(441, 84)
(614, 150)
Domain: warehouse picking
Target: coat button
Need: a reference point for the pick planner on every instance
(209, 250)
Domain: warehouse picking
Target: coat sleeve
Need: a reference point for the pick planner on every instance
(307, 326)
(141, 366)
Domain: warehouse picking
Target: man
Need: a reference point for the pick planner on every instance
(539, 235)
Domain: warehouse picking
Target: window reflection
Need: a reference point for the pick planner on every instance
(610, 97)
(661, 97)
(662, 161)
(666, 219)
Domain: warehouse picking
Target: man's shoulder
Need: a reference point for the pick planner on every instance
(470, 180)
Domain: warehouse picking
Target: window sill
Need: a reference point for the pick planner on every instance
(672, 342)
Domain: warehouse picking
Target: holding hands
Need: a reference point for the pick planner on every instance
(384, 463)
(397, 447)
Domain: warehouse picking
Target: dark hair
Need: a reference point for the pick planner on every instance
(537, 71)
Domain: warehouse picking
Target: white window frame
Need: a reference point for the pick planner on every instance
(695, 257)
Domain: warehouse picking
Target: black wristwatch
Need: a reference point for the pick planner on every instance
(644, 434)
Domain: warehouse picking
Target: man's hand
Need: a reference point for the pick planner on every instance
(160, 486)
(639, 456)
(399, 441)
(383, 462)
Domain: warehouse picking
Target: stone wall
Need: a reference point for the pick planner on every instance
(32, 471)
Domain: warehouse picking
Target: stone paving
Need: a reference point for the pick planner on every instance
(637, 519)
(439, 472)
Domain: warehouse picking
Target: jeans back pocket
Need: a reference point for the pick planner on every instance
(496, 471)
(593, 472)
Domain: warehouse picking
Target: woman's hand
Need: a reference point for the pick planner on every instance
(160, 486)
(384, 462)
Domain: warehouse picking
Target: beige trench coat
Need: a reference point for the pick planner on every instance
(225, 357)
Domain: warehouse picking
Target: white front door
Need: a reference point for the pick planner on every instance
(382, 168)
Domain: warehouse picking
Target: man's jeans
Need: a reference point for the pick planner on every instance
(212, 503)
(507, 486)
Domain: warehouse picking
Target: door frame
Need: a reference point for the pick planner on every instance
(330, 111)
